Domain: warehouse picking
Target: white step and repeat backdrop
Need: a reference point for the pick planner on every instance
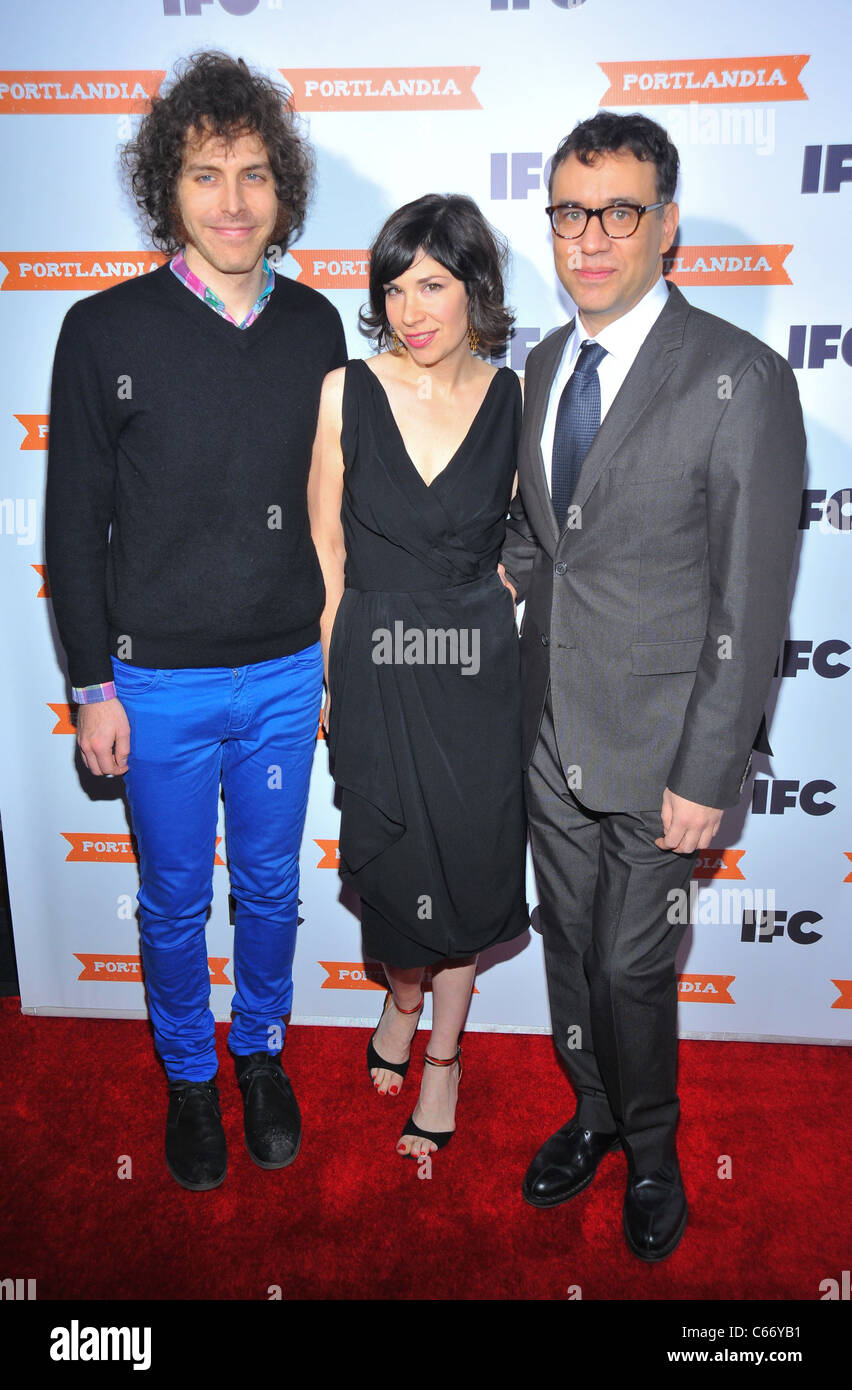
(405, 98)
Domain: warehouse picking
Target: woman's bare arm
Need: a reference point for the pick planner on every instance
(325, 495)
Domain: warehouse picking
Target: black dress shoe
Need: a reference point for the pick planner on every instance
(566, 1164)
(273, 1124)
(655, 1212)
(196, 1155)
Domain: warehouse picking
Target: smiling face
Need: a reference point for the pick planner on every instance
(428, 309)
(604, 276)
(227, 204)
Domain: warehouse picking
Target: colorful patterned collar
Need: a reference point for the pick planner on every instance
(202, 291)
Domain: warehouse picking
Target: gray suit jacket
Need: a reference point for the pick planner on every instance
(656, 620)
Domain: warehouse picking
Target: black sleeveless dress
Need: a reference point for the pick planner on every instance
(424, 674)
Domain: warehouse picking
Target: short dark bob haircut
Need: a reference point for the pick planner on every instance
(214, 94)
(450, 228)
(607, 133)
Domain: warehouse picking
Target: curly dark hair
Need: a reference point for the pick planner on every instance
(213, 93)
(607, 133)
(451, 228)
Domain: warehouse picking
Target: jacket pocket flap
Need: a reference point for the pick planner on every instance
(664, 658)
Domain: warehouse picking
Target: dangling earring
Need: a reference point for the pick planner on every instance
(398, 345)
(472, 338)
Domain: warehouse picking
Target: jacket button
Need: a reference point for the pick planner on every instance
(561, 567)
(545, 640)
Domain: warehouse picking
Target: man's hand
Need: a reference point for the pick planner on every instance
(512, 590)
(687, 826)
(103, 733)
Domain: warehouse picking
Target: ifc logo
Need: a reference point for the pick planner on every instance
(235, 7)
(525, 4)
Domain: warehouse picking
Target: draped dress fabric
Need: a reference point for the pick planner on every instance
(425, 740)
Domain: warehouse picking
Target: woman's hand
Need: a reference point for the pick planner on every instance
(512, 590)
(326, 714)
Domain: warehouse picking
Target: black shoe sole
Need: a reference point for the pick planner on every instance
(547, 1203)
(197, 1186)
(261, 1163)
(651, 1257)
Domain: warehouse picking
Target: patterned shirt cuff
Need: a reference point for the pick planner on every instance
(93, 694)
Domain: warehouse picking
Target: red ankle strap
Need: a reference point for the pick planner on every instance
(442, 1061)
(408, 1011)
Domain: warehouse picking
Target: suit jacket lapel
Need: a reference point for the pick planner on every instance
(536, 486)
(654, 363)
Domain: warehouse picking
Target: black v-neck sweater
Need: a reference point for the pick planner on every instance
(176, 512)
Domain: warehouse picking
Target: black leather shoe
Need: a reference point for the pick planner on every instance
(196, 1155)
(566, 1164)
(273, 1124)
(655, 1212)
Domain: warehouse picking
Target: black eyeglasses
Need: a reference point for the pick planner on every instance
(617, 219)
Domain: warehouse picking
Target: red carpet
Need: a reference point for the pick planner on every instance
(352, 1220)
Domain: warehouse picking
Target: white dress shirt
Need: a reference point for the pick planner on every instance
(622, 339)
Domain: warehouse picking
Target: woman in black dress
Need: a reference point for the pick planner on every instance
(411, 480)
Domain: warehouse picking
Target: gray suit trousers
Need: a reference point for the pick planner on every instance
(610, 950)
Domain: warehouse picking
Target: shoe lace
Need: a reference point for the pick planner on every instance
(184, 1090)
(264, 1066)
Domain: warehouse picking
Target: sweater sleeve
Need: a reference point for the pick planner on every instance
(339, 356)
(79, 501)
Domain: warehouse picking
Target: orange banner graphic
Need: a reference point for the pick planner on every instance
(333, 270)
(105, 849)
(848, 853)
(70, 92)
(320, 730)
(75, 270)
(36, 427)
(677, 81)
(728, 265)
(844, 1000)
(128, 969)
(330, 854)
(108, 849)
(357, 974)
(216, 966)
(719, 863)
(63, 717)
(44, 591)
(352, 974)
(112, 968)
(705, 989)
(383, 89)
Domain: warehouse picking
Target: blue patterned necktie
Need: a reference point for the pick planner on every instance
(578, 419)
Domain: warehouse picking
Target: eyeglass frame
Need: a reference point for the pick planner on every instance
(598, 213)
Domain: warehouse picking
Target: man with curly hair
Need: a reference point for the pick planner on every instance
(186, 588)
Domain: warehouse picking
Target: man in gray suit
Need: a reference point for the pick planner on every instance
(651, 538)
